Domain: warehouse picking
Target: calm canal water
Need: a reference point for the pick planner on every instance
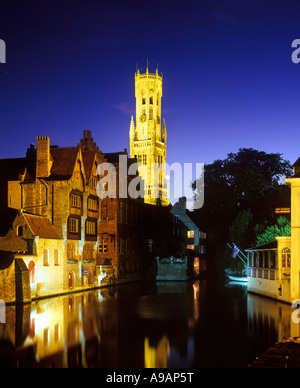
(142, 325)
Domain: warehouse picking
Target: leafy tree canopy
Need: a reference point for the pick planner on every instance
(269, 234)
(248, 181)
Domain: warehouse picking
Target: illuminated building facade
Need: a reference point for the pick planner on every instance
(56, 225)
(191, 237)
(120, 227)
(273, 269)
(148, 137)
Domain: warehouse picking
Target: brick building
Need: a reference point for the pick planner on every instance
(54, 222)
(119, 229)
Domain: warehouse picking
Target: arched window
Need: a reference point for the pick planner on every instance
(56, 257)
(46, 257)
(20, 230)
(286, 258)
(31, 268)
(71, 280)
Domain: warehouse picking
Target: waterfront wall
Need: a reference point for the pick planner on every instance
(172, 269)
(14, 281)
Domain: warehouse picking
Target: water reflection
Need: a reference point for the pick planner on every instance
(140, 325)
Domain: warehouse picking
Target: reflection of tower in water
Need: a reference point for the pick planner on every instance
(157, 357)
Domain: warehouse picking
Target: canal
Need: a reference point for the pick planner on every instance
(145, 325)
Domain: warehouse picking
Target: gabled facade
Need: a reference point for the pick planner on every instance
(273, 269)
(191, 237)
(54, 215)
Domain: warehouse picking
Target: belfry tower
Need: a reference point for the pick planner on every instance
(148, 137)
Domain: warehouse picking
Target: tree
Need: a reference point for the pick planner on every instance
(240, 228)
(281, 228)
(240, 234)
(248, 180)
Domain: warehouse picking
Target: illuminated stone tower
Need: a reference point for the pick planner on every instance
(148, 137)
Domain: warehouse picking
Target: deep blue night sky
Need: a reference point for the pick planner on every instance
(229, 81)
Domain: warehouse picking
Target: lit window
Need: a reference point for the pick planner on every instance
(92, 204)
(73, 225)
(56, 258)
(150, 114)
(90, 227)
(102, 247)
(88, 252)
(191, 247)
(190, 234)
(286, 258)
(31, 267)
(20, 231)
(75, 201)
(71, 252)
(46, 257)
(94, 181)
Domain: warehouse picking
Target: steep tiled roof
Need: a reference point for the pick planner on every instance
(41, 226)
(88, 159)
(63, 162)
(297, 163)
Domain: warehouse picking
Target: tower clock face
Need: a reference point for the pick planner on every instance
(143, 118)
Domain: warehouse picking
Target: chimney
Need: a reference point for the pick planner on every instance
(87, 134)
(43, 158)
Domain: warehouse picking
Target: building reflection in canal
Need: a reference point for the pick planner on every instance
(130, 326)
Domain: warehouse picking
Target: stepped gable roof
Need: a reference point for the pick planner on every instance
(63, 162)
(41, 226)
(88, 160)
